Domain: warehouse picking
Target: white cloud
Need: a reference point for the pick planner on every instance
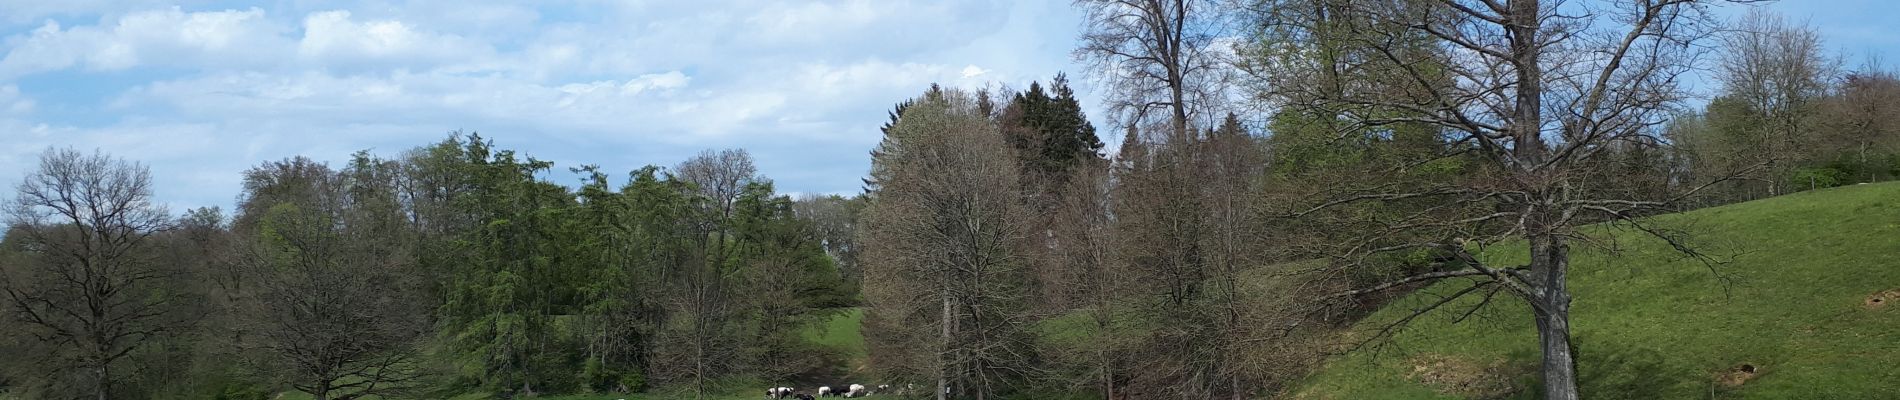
(801, 84)
(667, 81)
(333, 37)
(893, 27)
(212, 39)
(793, 22)
(666, 105)
(12, 102)
(34, 11)
(973, 71)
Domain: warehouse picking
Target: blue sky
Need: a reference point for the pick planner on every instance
(201, 90)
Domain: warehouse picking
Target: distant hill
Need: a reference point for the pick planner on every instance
(1811, 311)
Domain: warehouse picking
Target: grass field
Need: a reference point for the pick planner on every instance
(842, 332)
(1801, 306)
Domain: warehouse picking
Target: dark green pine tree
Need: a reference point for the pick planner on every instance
(499, 306)
(1078, 139)
(1050, 133)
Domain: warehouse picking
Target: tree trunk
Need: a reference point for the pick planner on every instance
(943, 376)
(102, 384)
(699, 362)
(1560, 367)
(699, 337)
(1170, 37)
(1550, 265)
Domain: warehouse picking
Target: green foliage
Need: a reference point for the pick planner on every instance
(1048, 129)
(597, 377)
(559, 291)
(1819, 177)
(1302, 142)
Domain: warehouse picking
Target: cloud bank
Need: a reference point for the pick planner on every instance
(201, 93)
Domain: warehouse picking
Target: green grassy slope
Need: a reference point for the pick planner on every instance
(1649, 324)
(842, 333)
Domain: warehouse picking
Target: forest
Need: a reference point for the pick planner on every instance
(1284, 169)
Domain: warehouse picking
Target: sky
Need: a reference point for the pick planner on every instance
(199, 91)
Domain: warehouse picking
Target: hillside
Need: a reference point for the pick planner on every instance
(1808, 309)
(842, 333)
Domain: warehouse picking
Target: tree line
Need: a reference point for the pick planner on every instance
(1284, 168)
(455, 267)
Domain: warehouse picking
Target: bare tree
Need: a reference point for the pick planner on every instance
(720, 175)
(947, 226)
(1090, 284)
(712, 283)
(1534, 93)
(1157, 55)
(1780, 71)
(1185, 228)
(1862, 120)
(1231, 161)
(89, 285)
(333, 304)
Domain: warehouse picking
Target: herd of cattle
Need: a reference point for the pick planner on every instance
(854, 390)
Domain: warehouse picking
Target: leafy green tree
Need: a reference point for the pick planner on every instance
(791, 284)
(500, 304)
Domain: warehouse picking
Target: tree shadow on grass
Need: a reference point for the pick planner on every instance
(1607, 370)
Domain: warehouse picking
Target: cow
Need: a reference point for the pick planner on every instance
(802, 396)
(778, 392)
(856, 391)
(881, 389)
(825, 391)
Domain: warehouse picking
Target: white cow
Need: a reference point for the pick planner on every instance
(856, 391)
(778, 392)
(825, 391)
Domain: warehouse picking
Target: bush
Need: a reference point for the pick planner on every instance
(1819, 177)
(598, 378)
